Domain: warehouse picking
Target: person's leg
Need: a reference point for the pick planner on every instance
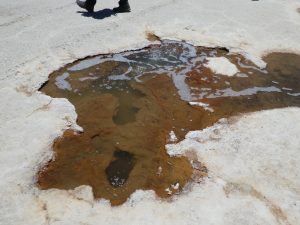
(88, 4)
(123, 7)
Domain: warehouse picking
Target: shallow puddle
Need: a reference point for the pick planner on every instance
(131, 104)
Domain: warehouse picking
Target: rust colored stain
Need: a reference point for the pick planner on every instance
(128, 104)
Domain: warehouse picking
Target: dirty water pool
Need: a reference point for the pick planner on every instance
(131, 104)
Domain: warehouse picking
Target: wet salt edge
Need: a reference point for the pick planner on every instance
(228, 92)
(219, 65)
(62, 83)
(201, 104)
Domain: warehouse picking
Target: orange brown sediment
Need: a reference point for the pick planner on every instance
(85, 158)
(129, 103)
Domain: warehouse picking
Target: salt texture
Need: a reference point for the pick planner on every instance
(253, 164)
(172, 137)
(222, 66)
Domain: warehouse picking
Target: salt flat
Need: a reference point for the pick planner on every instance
(253, 160)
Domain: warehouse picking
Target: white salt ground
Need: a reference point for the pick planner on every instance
(253, 161)
(221, 65)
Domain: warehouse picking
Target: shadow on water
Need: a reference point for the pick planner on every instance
(99, 15)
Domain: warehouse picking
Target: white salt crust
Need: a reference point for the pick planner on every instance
(253, 163)
(222, 66)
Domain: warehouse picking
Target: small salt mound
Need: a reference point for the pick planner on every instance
(172, 137)
(221, 65)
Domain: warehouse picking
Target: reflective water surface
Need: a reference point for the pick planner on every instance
(131, 104)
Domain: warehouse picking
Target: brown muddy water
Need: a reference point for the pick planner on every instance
(131, 104)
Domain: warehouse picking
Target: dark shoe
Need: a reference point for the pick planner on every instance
(124, 7)
(88, 5)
